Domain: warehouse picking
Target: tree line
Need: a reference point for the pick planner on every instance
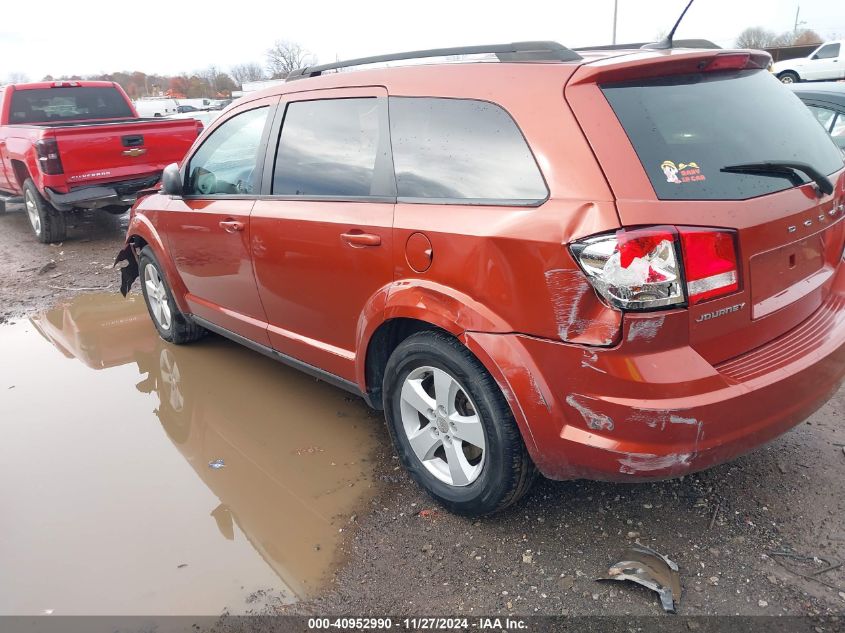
(758, 37)
(212, 82)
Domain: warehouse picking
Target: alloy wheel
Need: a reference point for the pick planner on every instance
(32, 212)
(443, 426)
(157, 297)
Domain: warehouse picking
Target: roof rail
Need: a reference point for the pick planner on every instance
(514, 52)
(695, 43)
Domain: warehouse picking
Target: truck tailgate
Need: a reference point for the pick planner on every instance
(96, 153)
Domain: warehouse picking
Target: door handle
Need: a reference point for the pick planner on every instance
(357, 240)
(232, 226)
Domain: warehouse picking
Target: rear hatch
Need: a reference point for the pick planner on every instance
(94, 153)
(665, 125)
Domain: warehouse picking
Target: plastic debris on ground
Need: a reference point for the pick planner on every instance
(644, 566)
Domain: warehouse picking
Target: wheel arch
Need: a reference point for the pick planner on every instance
(142, 233)
(405, 308)
(21, 172)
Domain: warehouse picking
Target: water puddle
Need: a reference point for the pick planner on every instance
(138, 477)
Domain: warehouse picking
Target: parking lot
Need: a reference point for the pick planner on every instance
(228, 483)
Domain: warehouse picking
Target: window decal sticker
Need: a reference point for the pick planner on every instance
(682, 172)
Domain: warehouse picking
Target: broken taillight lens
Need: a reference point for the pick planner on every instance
(640, 269)
(633, 269)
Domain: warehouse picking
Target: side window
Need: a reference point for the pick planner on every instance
(461, 149)
(838, 129)
(334, 148)
(823, 116)
(828, 52)
(225, 162)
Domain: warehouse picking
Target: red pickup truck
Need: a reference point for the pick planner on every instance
(71, 145)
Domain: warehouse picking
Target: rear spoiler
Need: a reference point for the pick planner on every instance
(694, 43)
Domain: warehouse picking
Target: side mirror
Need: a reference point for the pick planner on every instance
(814, 57)
(171, 180)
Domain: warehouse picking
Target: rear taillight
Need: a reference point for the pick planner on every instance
(710, 263)
(49, 162)
(639, 269)
(200, 127)
(633, 269)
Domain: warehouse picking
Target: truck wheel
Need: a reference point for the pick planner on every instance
(47, 223)
(789, 77)
(172, 325)
(452, 427)
(2, 207)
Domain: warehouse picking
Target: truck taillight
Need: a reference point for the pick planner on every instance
(200, 127)
(710, 263)
(49, 161)
(640, 269)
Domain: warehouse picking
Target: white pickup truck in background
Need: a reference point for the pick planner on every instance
(826, 63)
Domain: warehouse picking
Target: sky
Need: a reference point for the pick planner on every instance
(61, 37)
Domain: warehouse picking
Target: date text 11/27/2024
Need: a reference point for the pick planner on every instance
(418, 623)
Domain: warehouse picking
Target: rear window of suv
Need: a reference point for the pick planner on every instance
(45, 105)
(461, 150)
(686, 128)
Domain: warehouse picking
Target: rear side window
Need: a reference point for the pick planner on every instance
(45, 105)
(686, 128)
(334, 148)
(447, 150)
(823, 116)
(828, 52)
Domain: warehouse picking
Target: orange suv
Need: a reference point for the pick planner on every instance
(614, 264)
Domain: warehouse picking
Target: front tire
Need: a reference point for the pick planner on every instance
(789, 77)
(47, 223)
(452, 427)
(172, 325)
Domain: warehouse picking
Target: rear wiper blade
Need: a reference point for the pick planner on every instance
(789, 169)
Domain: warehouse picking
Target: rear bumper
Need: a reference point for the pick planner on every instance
(122, 194)
(642, 411)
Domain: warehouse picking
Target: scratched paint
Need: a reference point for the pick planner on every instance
(634, 463)
(645, 329)
(595, 420)
(566, 289)
(677, 419)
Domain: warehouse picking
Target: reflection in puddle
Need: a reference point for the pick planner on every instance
(104, 516)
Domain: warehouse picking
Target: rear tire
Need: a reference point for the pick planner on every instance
(447, 458)
(2, 207)
(789, 77)
(48, 224)
(172, 325)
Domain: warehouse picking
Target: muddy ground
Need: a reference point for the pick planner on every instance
(751, 537)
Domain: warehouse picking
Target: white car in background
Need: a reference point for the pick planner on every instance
(826, 63)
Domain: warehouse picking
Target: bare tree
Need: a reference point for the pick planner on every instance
(756, 37)
(806, 38)
(246, 72)
(209, 76)
(286, 56)
(16, 78)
